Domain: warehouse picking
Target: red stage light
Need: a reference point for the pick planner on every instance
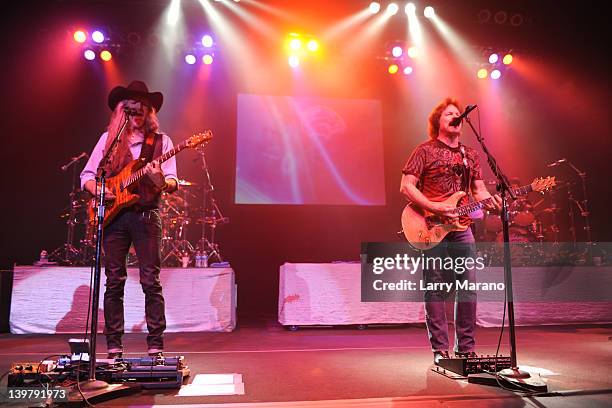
(80, 36)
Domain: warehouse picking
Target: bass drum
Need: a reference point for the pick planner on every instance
(522, 245)
(517, 234)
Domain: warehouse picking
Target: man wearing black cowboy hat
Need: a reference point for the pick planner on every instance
(140, 224)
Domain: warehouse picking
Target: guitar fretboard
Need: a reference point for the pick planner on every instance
(137, 175)
(477, 205)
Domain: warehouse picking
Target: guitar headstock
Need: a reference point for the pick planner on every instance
(543, 183)
(199, 138)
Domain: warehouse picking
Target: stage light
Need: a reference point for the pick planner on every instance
(493, 58)
(89, 55)
(429, 12)
(374, 7)
(410, 9)
(106, 55)
(392, 9)
(207, 41)
(482, 73)
(295, 44)
(294, 61)
(397, 51)
(495, 74)
(97, 37)
(80, 36)
(190, 59)
(407, 71)
(393, 68)
(207, 59)
(507, 59)
(312, 45)
(413, 52)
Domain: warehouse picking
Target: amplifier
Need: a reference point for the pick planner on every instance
(475, 365)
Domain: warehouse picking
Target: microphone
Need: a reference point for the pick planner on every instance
(459, 118)
(74, 160)
(131, 112)
(558, 162)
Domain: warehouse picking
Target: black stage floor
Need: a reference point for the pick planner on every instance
(379, 366)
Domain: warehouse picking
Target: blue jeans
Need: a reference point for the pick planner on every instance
(455, 244)
(143, 229)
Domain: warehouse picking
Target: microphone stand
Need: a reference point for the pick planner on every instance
(93, 386)
(521, 380)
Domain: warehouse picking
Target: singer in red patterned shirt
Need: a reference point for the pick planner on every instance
(434, 171)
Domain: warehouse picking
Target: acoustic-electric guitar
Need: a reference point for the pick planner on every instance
(424, 230)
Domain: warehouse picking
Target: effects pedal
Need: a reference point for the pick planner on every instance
(473, 365)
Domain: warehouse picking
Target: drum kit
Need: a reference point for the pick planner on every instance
(529, 222)
(178, 214)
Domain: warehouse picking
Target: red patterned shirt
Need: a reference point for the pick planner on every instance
(441, 169)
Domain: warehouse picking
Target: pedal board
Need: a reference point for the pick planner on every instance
(474, 365)
(148, 372)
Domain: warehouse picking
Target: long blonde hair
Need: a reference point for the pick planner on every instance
(122, 154)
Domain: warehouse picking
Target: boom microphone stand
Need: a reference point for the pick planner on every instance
(518, 379)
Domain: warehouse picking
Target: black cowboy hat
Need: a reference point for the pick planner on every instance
(135, 90)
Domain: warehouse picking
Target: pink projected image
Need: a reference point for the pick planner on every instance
(299, 150)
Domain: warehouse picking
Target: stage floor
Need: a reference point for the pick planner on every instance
(379, 366)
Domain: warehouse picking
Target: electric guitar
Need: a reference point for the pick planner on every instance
(424, 230)
(123, 185)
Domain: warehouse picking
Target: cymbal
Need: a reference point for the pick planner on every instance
(187, 183)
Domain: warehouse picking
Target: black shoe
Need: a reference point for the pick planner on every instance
(114, 355)
(439, 355)
(467, 354)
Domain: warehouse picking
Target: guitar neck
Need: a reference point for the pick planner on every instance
(477, 205)
(137, 175)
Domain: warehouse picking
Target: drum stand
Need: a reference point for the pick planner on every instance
(179, 245)
(210, 247)
(582, 205)
(68, 254)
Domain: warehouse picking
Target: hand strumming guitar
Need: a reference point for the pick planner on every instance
(155, 174)
(443, 209)
(91, 187)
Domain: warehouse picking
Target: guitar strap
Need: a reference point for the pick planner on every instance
(148, 147)
(467, 174)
